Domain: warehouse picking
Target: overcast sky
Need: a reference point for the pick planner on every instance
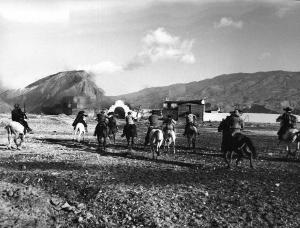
(133, 44)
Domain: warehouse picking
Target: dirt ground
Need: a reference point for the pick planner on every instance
(55, 182)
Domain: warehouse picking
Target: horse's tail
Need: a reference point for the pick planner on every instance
(249, 143)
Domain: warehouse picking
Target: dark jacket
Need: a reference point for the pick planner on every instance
(234, 123)
(102, 118)
(79, 119)
(287, 120)
(17, 115)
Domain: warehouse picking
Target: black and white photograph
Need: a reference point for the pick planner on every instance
(150, 113)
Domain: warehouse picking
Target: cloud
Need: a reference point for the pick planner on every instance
(157, 45)
(264, 55)
(161, 45)
(228, 22)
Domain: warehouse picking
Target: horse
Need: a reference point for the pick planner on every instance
(112, 129)
(130, 134)
(101, 132)
(288, 138)
(241, 145)
(156, 140)
(238, 143)
(80, 130)
(16, 131)
(169, 138)
(191, 134)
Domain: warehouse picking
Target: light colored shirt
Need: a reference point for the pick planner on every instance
(129, 119)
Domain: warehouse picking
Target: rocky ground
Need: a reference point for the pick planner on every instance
(55, 182)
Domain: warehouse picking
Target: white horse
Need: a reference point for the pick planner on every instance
(15, 131)
(289, 137)
(156, 140)
(169, 138)
(79, 132)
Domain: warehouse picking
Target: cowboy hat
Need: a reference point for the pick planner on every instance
(288, 109)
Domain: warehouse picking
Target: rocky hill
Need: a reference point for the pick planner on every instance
(58, 93)
(272, 90)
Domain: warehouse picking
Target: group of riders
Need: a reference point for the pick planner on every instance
(233, 123)
(110, 122)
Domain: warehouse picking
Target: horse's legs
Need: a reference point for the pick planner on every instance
(189, 142)
(9, 139)
(128, 142)
(99, 141)
(297, 148)
(16, 142)
(104, 143)
(239, 157)
(226, 153)
(152, 150)
(194, 143)
(288, 151)
(174, 150)
(21, 140)
(78, 137)
(251, 161)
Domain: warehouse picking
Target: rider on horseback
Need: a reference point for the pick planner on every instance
(102, 119)
(80, 119)
(287, 121)
(235, 122)
(153, 124)
(112, 123)
(19, 116)
(190, 121)
(169, 124)
(129, 123)
(230, 126)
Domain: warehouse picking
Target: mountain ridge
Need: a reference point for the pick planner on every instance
(55, 91)
(272, 89)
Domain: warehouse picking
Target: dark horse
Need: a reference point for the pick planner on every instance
(237, 143)
(191, 134)
(130, 134)
(112, 129)
(101, 132)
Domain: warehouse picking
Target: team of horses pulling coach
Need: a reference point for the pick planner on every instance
(233, 141)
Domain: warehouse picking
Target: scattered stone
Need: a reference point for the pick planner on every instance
(81, 206)
(10, 193)
(26, 180)
(89, 215)
(67, 207)
(80, 219)
(55, 201)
